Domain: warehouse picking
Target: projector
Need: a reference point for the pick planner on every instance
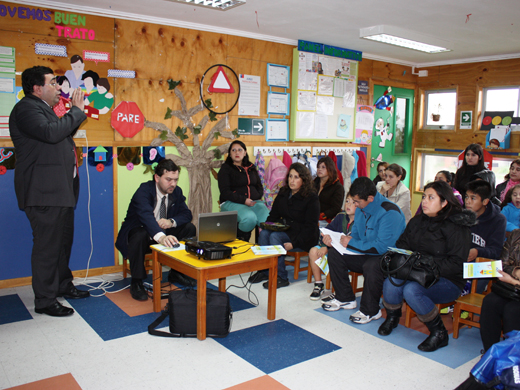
(208, 250)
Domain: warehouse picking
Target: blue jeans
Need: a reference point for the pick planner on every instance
(248, 217)
(422, 300)
(268, 237)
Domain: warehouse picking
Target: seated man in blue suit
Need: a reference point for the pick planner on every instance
(157, 214)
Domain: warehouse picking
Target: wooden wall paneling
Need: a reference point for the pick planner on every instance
(393, 72)
(240, 47)
(276, 53)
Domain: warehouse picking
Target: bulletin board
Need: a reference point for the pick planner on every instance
(324, 90)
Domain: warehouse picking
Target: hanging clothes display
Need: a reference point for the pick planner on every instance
(349, 163)
(361, 163)
(332, 155)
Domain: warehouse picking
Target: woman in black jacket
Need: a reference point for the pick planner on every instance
(241, 190)
(329, 189)
(512, 179)
(442, 232)
(473, 162)
(296, 205)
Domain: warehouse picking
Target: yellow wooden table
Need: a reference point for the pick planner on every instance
(204, 270)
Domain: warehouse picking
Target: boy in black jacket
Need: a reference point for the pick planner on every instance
(488, 235)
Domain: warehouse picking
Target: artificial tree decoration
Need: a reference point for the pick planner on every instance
(200, 161)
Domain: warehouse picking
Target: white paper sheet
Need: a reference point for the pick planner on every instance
(325, 105)
(305, 124)
(306, 101)
(249, 101)
(321, 123)
(336, 236)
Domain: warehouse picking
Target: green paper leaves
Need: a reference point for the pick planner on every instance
(217, 154)
(172, 84)
(168, 114)
(212, 116)
(181, 133)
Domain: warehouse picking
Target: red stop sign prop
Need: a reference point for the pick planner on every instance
(488, 160)
(127, 119)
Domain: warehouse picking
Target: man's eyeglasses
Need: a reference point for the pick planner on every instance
(53, 84)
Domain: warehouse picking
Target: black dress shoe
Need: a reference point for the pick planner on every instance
(73, 293)
(138, 292)
(178, 277)
(279, 283)
(258, 277)
(56, 310)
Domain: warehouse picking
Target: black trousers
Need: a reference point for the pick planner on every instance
(139, 245)
(53, 233)
(498, 313)
(340, 265)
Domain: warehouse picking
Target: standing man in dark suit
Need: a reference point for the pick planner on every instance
(47, 184)
(157, 214)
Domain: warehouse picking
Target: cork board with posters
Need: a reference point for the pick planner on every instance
(324, 93)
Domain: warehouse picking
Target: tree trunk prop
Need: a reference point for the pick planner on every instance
(200, 161)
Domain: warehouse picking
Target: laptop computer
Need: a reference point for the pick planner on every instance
(218, 227)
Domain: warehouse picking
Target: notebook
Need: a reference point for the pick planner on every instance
(218, 227)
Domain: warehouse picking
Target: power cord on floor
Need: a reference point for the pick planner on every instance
(105, 282)
(247, 286)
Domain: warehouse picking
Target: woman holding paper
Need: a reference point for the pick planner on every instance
(442, 232)
(342, 223)
(297, 206)
(241, 190)
(500, 314)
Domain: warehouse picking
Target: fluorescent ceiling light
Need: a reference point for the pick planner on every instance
(222, 5)
(404, 38)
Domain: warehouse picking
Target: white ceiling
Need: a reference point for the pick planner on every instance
(492, 31)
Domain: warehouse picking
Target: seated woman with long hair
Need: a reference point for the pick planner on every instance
(241, 190)
(329, 189)
(297, 206)
(442, 232)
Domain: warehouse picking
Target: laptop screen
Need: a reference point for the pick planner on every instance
(218, 227)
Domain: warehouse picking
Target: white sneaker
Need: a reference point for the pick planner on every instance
(335, 305)
(361, 318)
(328, 298)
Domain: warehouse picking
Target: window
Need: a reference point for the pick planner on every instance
(501, 99)
(439, 109)
(433, 163)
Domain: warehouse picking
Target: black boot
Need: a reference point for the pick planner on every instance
(244, 236)
(391, 322)
(438, 337)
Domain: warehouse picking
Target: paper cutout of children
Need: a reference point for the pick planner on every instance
(74, 75)
(90, 79)
(101, 99)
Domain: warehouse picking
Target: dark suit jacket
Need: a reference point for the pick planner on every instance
(140, 213)
(45, 157)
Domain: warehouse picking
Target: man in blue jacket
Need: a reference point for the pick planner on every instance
(379, 223)
(157, 214)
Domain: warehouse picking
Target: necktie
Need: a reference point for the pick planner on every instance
(162, 209)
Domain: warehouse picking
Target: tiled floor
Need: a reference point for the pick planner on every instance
(105, 345)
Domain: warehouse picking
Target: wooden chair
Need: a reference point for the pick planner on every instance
(147, 264)
(353, 275)
(297, 254)
(472, 303)
(410, 313)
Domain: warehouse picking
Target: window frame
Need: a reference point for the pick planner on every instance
(484, 96)
(424, 110)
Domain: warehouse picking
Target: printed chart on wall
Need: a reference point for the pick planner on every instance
(325, 89)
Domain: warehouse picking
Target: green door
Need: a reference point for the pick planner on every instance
(392, 133)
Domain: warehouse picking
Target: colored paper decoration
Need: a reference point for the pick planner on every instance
(127, 119)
